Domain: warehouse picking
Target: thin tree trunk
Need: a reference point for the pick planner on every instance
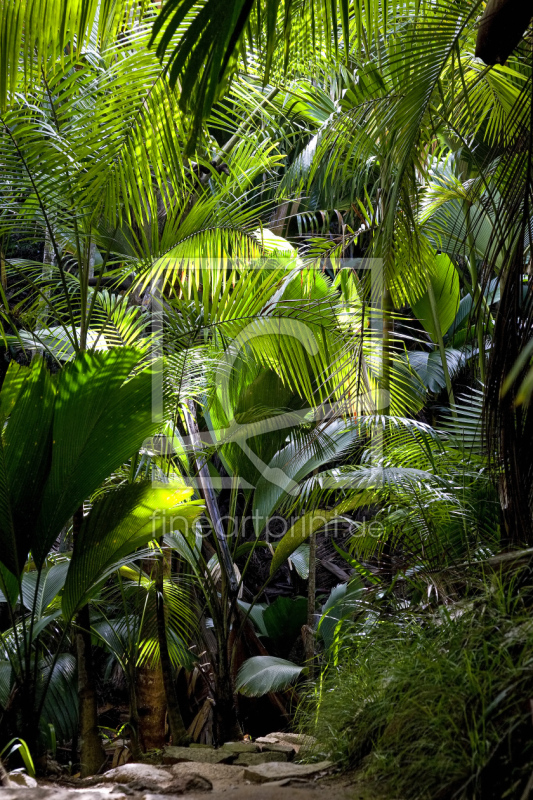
(49, 261)
(388, 336)
(228, 578)
(311, 593)
(227, 726)
(92, 753)
(442, 350)
(175, 720)
(152, 707)
(150, 688)
(91, 260)
(478, 300)
(134, 712)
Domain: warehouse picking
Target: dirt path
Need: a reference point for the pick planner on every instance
(224, 787)
(347, 787)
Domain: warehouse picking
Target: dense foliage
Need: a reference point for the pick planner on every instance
(266, 316)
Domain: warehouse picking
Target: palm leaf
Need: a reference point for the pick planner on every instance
(121, 522)
(263, 674)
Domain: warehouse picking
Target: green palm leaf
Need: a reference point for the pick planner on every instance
(102, 415)
(124, 520)
(263, 674)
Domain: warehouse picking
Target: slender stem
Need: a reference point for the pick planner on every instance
(227, 571)
(477, 296)
(177, 726)
(440, 340)
(311, 599)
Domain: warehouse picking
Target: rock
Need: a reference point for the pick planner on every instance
(254, 759)
(135, 779)
(144, 774)
(272, 747)
(197, 783)
(241, 747)
(204, 746)
(223, 777)
(55, 793)
(300, 739)
(267, 739)
(279, 771)
(177, 755)
(21, 779)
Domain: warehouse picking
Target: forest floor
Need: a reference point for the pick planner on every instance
(343, 787)
(271, 768)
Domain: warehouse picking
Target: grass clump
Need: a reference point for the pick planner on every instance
(434, 707)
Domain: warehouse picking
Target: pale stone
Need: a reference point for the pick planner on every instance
(46, 793)
(176, 755)
(224, 777)
(241, 747)
(279, 771)
(21, 779)
(301, 739)
(144, 773)
(253, 759)
(273, 747)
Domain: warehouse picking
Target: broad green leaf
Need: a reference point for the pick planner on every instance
(102, 416)
(6, 676)
(9, 586)
(188, 545)
(50, 582)
(445, 282)
(117, 525)
(283, 621)
(310, 523)
(293, 463)
(261, 417)
(263, 674)
(25, 449)
(255, 613)
(16, 377)
(341, 603)
(300, 560)
(61, 703)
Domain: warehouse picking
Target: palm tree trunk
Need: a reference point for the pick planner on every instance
(150, 686)
(227, 727)
(311, 599)
(152, 707)
(92, 753)
(175, 720)
(228, 578)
